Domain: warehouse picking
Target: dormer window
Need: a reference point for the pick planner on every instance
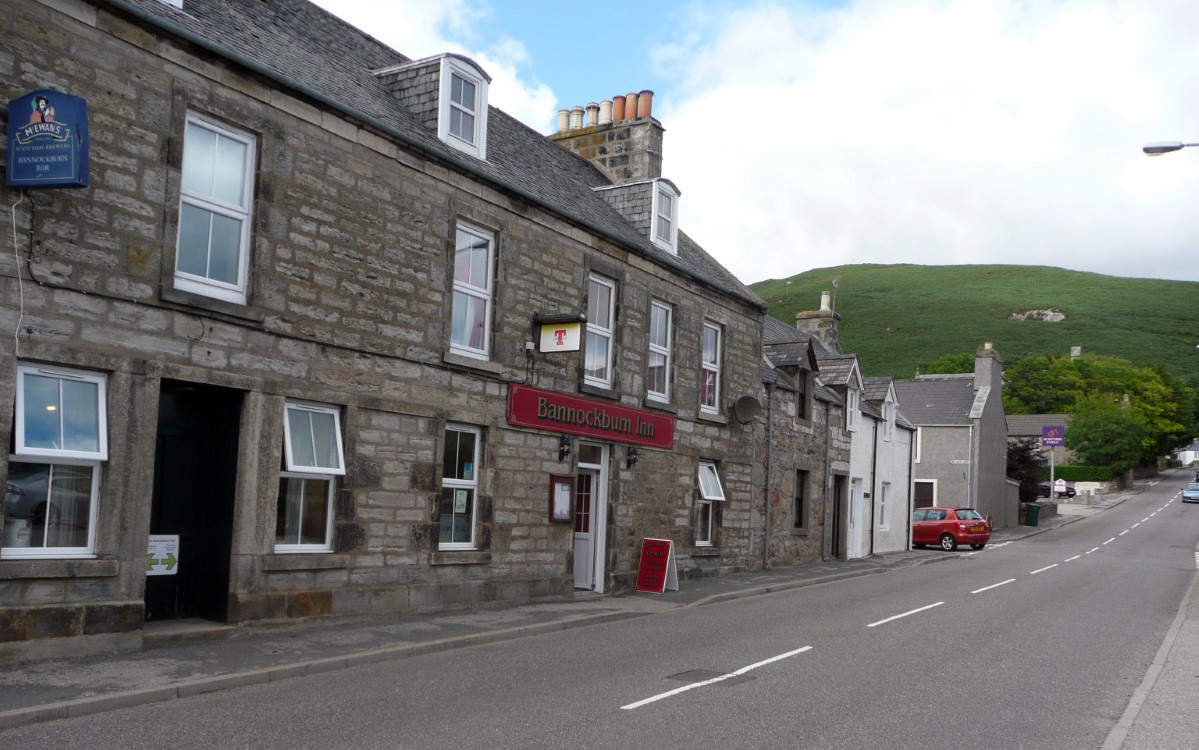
(462, 112)
(665, 231)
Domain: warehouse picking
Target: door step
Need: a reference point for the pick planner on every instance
(166, 633)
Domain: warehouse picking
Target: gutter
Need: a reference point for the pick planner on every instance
(873, 480)
(447, 157)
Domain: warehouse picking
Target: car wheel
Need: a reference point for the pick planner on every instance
(948, 543)
(978, 546)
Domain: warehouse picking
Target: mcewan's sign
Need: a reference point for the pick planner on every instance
(558, 412)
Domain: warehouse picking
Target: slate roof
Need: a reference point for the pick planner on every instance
(1029, 425)
(875, 388)
(836, 369)
(823, 393)
(310, 51)
(942, 400)
(771, 376)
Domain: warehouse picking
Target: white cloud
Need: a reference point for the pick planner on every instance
(937, 131)
(419, 28)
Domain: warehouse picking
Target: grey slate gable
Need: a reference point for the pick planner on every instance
(936, 401)
(323, 59)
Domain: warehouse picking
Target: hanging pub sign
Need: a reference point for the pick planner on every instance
(47, 141)
(559, 333)
(561, 412)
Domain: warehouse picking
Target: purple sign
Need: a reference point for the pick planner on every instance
(1053, 435)
(47, 141)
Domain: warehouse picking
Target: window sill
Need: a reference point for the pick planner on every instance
(459, 557)
(283, 561)
(666, 406)
(191, 299)
(801, 532)
(47, 568)
(704, 416)
(471, 363)
(705, 552)
(595, 390)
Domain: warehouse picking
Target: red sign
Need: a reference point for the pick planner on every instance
(657, 569)
(547, 410)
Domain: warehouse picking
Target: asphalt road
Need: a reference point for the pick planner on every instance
(1035, 644)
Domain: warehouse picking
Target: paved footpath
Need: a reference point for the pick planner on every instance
(172, 667)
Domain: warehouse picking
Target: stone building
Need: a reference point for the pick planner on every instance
(961, 440)
(327, 335)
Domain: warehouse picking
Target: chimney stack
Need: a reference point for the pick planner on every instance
(823, 324)
(620, 136)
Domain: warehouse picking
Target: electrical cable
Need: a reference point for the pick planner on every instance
(16, 254)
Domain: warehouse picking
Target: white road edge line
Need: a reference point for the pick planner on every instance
(905, 614)
(993, 586)
(714, 680)
(1042, 570)
(1068, 559)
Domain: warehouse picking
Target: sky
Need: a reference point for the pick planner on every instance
(805, 134)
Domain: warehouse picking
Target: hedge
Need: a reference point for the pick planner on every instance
(1072, 473)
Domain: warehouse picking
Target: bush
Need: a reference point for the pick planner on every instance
(1076, 473)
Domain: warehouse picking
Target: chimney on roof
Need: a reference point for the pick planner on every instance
(988, 367)
(824, 324)
(623, 140)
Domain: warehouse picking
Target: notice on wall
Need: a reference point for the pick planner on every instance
(162, 557)
(657, 571)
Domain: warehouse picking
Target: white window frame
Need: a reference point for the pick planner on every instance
(289, 457)
(237, 292)
(605, 329)
(58, 553)
(471, 484)
(311, 547)
(295, 470)
(712, 366)
(663, 349)
(851, 409)
(62, 373)
(472, 291)
(917, 481)
(800, 502)
(710, 491)
(451, 67)
(884, 497)
(919, 442)
(665, 211)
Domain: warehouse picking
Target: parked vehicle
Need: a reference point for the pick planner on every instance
(949, 527)
(1043, 491)
(1190, 493)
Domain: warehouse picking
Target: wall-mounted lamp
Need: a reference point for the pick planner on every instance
(565, 446)
(632, 456)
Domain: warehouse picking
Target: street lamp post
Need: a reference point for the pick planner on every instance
(1157, 148)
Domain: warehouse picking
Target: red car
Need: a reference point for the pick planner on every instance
(949, 527)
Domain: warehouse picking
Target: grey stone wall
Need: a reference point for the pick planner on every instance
(349, 305)
(625, 151)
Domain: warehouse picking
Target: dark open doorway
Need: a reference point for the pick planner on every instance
(195, 467)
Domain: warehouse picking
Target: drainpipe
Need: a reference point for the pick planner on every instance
(911, 477)
(769, 434)
(873, 481)
(970, 468)
(826, 483)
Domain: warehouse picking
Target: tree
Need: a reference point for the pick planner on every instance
(947, 364)
(1023, 459)
(1106, 436)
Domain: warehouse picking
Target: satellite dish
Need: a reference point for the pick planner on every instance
(746, 409)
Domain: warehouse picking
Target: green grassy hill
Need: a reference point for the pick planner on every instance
(894, 316)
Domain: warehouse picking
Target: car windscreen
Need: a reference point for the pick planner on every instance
(1193, 486)
(969, 514)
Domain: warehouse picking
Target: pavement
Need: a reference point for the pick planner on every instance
(185, 659)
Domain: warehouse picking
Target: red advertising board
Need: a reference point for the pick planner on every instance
(656, 571)
(558, 412)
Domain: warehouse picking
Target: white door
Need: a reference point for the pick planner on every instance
(853, 529)
(591, 510)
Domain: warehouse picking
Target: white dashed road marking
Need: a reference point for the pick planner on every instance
(905, 614)
(714, 680)
(993, 586)
(1068, 559)
(1042, 570)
